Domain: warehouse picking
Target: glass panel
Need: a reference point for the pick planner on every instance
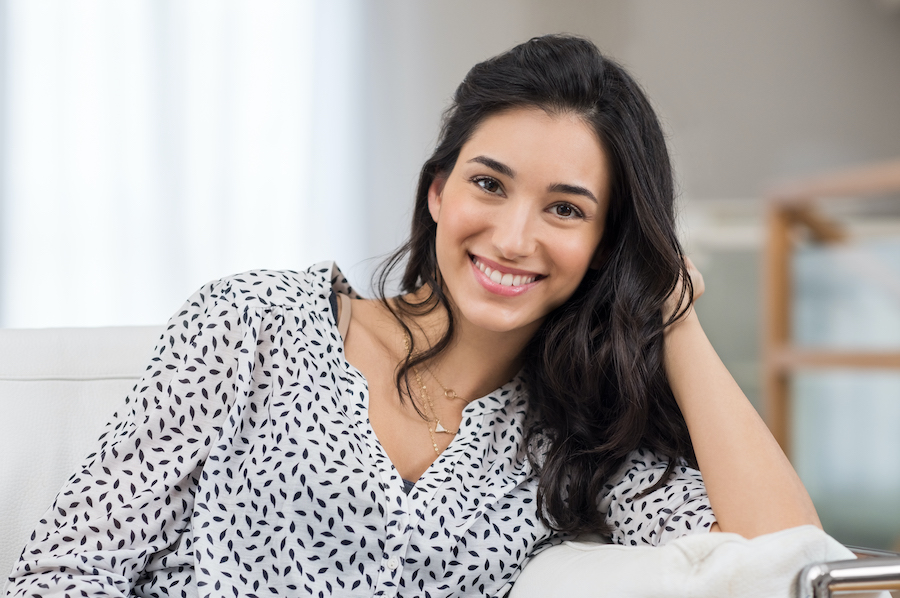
(848, 296)
(846, 423)
(846, 449)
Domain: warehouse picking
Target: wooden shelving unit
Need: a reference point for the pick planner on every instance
(793, 213)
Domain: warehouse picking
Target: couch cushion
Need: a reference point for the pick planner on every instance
(57, 389)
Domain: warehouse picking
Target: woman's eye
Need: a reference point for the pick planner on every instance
(487, 183)
(565, 210)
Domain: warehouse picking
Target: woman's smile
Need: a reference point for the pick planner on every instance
(502, 280)
(520, 217)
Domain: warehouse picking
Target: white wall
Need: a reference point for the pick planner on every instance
(749, 91)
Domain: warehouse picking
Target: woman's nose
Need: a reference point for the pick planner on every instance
(514, 230)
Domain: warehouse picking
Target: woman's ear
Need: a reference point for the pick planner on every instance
(434, 196)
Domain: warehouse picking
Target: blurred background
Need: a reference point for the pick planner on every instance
(149, 146)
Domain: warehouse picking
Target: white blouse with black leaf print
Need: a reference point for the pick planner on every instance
(243, 464)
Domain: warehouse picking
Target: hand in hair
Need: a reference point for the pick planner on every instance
(679, 302)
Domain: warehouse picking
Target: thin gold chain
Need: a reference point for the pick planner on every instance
(431, 409)
(433, 423)
(448, 392)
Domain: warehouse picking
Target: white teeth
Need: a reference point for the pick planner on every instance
(507, 280)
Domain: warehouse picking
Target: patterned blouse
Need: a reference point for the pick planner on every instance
(243, 464)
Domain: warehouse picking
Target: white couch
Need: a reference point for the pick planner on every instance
(59, 386)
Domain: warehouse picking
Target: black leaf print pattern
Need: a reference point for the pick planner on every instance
(243, 464)
(678, 508)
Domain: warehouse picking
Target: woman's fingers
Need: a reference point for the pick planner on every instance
(696, 278)
(672, 305)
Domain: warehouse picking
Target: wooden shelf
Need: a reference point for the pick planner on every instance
(854, 183)
(788, 359)
(792, 208)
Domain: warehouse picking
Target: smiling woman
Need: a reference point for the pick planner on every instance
(541, 369)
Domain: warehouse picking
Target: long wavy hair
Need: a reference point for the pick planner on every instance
(595, 374)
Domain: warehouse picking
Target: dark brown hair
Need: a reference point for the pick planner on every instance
(595, 372)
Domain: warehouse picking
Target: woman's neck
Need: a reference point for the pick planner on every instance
(477, 361)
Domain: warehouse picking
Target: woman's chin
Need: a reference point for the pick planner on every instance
(492, 320)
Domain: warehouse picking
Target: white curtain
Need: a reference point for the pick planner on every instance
(149, 146)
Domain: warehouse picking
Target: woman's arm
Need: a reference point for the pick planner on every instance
(752, 487)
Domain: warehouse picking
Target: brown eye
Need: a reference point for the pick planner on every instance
(488, 184)
(566, 211)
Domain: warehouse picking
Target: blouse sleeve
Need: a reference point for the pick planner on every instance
(677, 508)
(133, 496)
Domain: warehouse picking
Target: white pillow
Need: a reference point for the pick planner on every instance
(714, 565)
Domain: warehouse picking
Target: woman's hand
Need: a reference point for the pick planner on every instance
(672, 305)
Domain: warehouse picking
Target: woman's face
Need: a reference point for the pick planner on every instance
(520, 217)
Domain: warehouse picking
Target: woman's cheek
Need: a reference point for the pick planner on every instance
(472, 217)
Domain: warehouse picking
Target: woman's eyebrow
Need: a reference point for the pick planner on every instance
(572, 190)
(495, 165)
(554, 188)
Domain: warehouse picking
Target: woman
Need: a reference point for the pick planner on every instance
(543, 375)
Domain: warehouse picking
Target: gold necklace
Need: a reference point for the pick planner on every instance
(448, 392)
(432, 421)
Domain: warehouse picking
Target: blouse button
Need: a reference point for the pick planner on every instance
(393, 563)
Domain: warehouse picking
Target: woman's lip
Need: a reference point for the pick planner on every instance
(503, 269)
(497, 288)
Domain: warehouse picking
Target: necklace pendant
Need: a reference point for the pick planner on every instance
(439, 427)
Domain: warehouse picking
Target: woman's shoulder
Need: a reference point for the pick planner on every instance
(264, 288)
